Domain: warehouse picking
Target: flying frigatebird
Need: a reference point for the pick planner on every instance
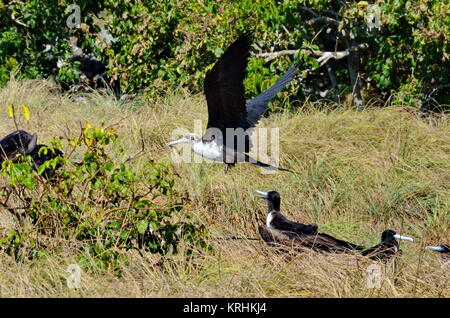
(230, 117)
(387, 248)
(279, 229)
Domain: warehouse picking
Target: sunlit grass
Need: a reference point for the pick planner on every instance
(358, 173)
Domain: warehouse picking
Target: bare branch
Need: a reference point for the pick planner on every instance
(273, 55)
(324, 57)
(331, 12)
(142, 151)
(17, 21)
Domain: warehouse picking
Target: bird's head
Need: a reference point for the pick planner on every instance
(391, 234)
(444, 248)
(190, 139)
(272, 197)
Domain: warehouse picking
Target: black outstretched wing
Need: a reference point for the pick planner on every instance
(257, 106)
(224, 88)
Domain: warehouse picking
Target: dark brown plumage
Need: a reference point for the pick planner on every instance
(388, 247)
(318, 242)
(276, 220)
(443, 249)
(224, 87)
(16, 143)
(21, 142)
(279, 229)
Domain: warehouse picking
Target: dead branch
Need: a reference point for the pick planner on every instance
(18, 21)
(142, 151)
(309, 11)
(269, 56)
(324, 57)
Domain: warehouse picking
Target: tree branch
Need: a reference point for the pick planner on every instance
(17, 21)
(324, 57)
(269, 56)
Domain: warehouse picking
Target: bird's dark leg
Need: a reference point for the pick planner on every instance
(228, 166)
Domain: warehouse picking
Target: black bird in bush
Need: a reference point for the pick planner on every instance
(387, 248)
(21, 142)
(227, 137)
(17, 143)
(279, 229)
(93, 73)
(444, 249)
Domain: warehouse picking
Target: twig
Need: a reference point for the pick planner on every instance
(235, 238)
(117, 122)
(17, 21)
(142, 151)
(331, 12)
(310, 11)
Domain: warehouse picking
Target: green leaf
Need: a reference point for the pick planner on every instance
(142, 226)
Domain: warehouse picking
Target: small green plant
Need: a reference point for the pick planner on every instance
(102, 207)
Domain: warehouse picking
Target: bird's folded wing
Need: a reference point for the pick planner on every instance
(17, 142)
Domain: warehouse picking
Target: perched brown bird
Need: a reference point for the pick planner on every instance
(277, 220)
(279, 229)
(318, 242)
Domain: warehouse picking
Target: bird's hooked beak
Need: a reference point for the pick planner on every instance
(179, 141)
(261, 194)
(435, 248)
(405, 238)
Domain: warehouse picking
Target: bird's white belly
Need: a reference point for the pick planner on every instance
(209, 151)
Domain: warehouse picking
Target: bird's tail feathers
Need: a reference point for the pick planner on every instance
(265, 165)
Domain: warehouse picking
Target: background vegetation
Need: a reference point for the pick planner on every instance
(140, 226)
(164, 44)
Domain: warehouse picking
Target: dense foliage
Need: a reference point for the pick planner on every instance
(163, 44)
(99, 206)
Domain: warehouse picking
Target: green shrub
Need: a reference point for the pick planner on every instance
(102, 207)
(164, 44)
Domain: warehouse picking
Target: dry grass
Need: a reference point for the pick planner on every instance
(359, 174)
